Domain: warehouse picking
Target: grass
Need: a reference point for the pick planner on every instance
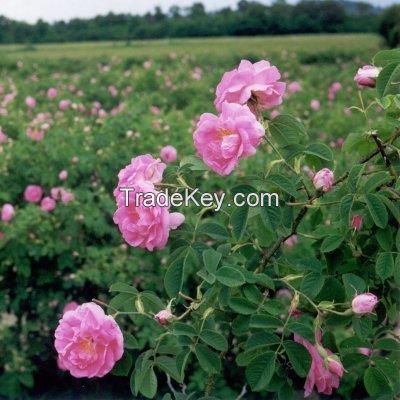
(341, 43)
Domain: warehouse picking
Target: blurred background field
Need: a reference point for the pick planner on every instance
(125, 98)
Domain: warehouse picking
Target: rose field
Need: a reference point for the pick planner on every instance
(101, 299)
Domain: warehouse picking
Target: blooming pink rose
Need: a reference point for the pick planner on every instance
(168, 154)
(71, 306)
(324, 379)
(30, 102)
(64, 105)
(35, 134)
(323, 179)
(143, 168)
(7, 212)
(255, 83)
(51, 93)
(3, 137)
(141, 225)
(294, 87)
(63, 175)
(163, 316)
(365, 350)
(222, 141)
(88, 342)
(367, 75)
(33, 193)
(356, 222)
(364, 303)
(315, 105)
(66, 196)
(47, 204)
(291, 241)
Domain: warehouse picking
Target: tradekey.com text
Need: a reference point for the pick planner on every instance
(194, 197)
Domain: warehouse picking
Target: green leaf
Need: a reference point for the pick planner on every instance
(384, 266)
(353, 284)
(345, 208)
(271, 216)
(214, 230)
(181, 329)
(260, 370)
(286, 130)
(355, 175)
(265, 280)
(130, 341)
(375, 382)
(168, 365)
(239, 221)
(388, 81)
(302, 330)
(312, 284)
(283, 182)
(299, 357)
(123, 288)
(242, 306)
(230, 277)
(214, 339)
(148, 388)
(319, 150)
(123, 366)
(208, 359)
(362, 326)
(387, 344)
(377, 210)
(264, 321)
(211, 259)
(331, 243)
(376, 180)
(385, 57)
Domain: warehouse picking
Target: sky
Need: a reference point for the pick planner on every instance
(55, 10)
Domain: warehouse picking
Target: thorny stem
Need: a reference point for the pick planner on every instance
(303, 211)
(385, 157)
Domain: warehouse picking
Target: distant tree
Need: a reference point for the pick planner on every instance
(390, 25)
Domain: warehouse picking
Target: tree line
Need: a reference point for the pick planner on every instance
(248, 18)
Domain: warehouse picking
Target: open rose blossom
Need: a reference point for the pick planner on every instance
(323, 179)
(324, 374)
(47, 204)
(142, 225)
(168, 154)
(367, 75)
(222, 141)
(30, 102)
(51, 93)
(143, 168)
(364, 303)
(256, 83)
(33, 193)
(7, 212)
(88, 342)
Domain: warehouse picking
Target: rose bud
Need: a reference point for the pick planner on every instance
(365, 350)
(366, 76)
(335, 366)
(323, 179)
(364, 303)
(356, 222)
(168, 154)
(163, 317)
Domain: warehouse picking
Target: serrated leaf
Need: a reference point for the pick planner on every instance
(283, 182)
(168, 365)
(230, 277)
(123, 366)
(346, 205)
(384, 266)
(260, 370)
(264, 321)
(312, 284)
(214, 339)
(377, 210)
(355, 175)
(123, 288)
(208, 359)
(353, 285)
(319, 150)
(181, 329)
(211, 259)
(239, 221)
(286, 130)
(375, 382)
(331, 243)
(385, 57)
(388, 81)
(214, 230)
(299, 357)
(242, 306)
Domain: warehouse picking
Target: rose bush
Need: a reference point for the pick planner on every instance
(239, 302)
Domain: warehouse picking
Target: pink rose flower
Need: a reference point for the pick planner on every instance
(71, 306)
(291, 241)
(356, 222)
(88, 342)
(63, 175)
(35, 134)
(335, 366)
(168, 154)
(367, 75)
(64, 105)
(333, 89)
(66, 196)
(51, 93)
(47, 204)
(163, 317)
(7, 212)
(255, 83)
(30, 102)
(320, 376)
(315, 105)
(294, 87)
(143, 168)
(144, 226)
(222, 141)
(323, 179)
(3, 137)
(364, 303)
(33, 193)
